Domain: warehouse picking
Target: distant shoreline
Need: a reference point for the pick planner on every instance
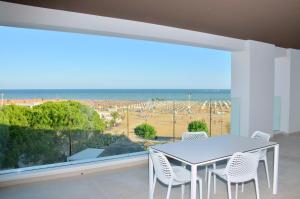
(3, 89)
(117, 94)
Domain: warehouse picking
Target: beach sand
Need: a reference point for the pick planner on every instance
(162, 119)
(159, 114)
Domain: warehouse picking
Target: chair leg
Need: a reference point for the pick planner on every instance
(208, 185)
(200, 188)
(229, 189)
(236, 190)
(243, 184)
(182, 191)
(256, 188)
(169, 190)
(215, 183)
(267, 170)
(155, 178)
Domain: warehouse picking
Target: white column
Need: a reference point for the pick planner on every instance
(287, 86)
(253, 84)
(294, 124)
(282, 89)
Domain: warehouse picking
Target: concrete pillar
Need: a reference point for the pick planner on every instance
(282, 89)
(252, 83)
(287, 87)
(294, 116)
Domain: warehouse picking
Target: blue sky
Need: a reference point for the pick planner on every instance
(48, 59)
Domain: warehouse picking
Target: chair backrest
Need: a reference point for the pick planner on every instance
(258, 135)
(261, 136)
(162, 167)
(242, 167)
(188, 136)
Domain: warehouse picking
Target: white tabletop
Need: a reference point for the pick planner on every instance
(201, 151)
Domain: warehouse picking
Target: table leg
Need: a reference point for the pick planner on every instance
(150, 178)
(193, 181)
(275, 174)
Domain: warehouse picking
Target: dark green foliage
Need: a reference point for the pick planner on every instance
(42, 134)
(32, 147)
(196, 126)
(4, 134)
(121, 146)
(145, 131)
(83, 140)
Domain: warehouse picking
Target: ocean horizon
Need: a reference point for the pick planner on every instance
(117, 94)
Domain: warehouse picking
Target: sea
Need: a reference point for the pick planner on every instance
(117, 94)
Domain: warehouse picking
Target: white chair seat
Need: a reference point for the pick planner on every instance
(182, 175)
(220, 172)
(171, 175)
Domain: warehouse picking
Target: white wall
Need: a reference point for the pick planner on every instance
(294, 117)
(287, 86)
(240, 85)
(282, 89)
(262, 57)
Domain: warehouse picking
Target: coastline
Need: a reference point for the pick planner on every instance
(117, 94)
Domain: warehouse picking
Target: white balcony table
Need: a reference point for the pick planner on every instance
(201, 152)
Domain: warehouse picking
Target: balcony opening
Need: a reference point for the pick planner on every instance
(69, 97)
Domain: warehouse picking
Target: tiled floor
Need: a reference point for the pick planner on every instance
(132, 183)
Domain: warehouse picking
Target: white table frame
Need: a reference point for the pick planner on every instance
(194, 169)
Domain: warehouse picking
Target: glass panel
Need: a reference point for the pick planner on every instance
(53, 131)
(221, 110)
(235, 116)
(42, 126)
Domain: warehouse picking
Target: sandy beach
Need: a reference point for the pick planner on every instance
(168, 117)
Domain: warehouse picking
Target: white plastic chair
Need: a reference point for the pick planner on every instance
(190, 136)
(263, 153)
(241, 167)
(170, 175)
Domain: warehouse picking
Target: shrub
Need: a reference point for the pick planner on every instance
(59, 116)
(15, 115)
(196, 126)
(66, 115)
(145, 131)
(115, 117)
(47, 132)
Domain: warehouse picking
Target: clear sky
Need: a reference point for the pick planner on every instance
(48, 59)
